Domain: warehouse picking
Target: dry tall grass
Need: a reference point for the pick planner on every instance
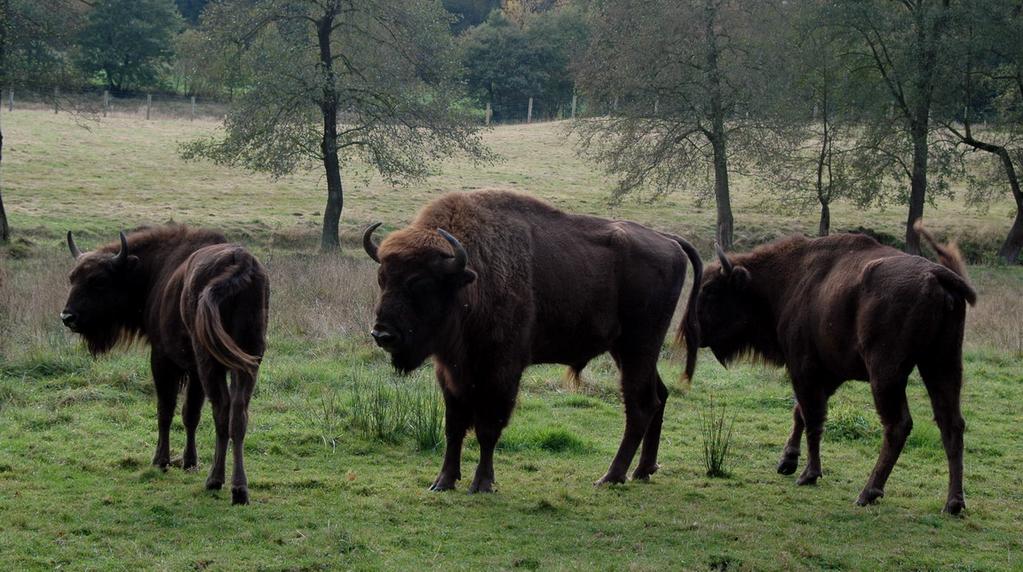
(321, 297)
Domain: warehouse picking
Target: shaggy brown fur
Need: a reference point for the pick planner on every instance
(846, 307)
(536, 285)
(202, 305)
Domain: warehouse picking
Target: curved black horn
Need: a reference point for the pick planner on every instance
(75, 251)
(456, 264)
(726, 265)
(368, 244)
(122, 255)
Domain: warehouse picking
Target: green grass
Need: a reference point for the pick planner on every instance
(340, 450)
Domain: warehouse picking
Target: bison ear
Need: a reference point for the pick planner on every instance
(130, 263)
(739, 277)
(466, 277)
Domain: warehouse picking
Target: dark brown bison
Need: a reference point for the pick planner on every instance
(490, 282)
(846, 307)
(202, 305)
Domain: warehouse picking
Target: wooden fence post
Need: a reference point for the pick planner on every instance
(657, 103)
(10, 100)
(529, 111)
(574, 97)
(56, 94)
(149, 104)
(106, 102)
(193, 107)
(489, 113)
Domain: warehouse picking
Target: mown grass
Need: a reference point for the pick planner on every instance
(341, 450)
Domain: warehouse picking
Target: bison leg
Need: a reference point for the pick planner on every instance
(890, 401)
(652, 439)
(457, 418)
(191, 411)
(242, 385)
(641, 405)
(215, 385)
(491, 412)
(790, 454)
(813, 404)
(944, 385)
(167, 379)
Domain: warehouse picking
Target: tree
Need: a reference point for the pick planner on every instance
(905, 44)
(814, 103)
(506, 65)
(337, 80)
(988, 61)
(35, 36)
(680, 82)
(129, 41)
(469, 13)
(191, 10)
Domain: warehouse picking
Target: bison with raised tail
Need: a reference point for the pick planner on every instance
(202, 305)
(846, 307)
(490, 282)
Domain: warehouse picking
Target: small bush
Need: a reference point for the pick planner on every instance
(716, 428)
(850, 425)
(426, 417)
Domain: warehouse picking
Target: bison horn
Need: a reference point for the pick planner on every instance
(368, 244)
(726, 265)
(75, 251)
(456, 264)
(122, 255)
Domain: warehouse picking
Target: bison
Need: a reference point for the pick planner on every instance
(845, 307)
(490, 282)
(202, 305)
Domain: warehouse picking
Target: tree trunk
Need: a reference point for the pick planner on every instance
(718, 137)
(825, 225)
(918, 188)
(1009, 252)
(329, 241)
(5, 230)
(721, 196)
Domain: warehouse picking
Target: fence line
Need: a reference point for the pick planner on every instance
(150, 107)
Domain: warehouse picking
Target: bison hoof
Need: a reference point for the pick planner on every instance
(954, 507)
(239, 495)
(643, 473)
(481, 486)
(161, 462)
(443, 483)
(214, 484)
(869, 496)
(808, 477)
(610, 479)
(787, 465)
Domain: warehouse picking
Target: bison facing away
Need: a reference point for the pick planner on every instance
(845, 307)
(202, 305)
(490, 282)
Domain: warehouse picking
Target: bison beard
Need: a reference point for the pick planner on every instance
(845, 307)
(525, 283)
(202, 305)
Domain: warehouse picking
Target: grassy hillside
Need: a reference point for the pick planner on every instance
(340, 450)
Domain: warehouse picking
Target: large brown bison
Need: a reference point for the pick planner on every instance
(202, 305)
(846, 307)
(490, 282)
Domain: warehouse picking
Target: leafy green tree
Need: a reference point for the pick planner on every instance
(682, 80)
(335, 81)
(906, 45)
(470, 13)
(191, 10)
(129, 41)
(987, 58)
(35, 36)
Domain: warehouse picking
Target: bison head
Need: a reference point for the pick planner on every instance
(102, 284)
(419, 290)
(726, 309)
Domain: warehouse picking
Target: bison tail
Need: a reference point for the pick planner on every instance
(950, 257)
(689, 330)
(209, 327)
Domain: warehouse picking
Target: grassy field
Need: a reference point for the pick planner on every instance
(340, 451)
